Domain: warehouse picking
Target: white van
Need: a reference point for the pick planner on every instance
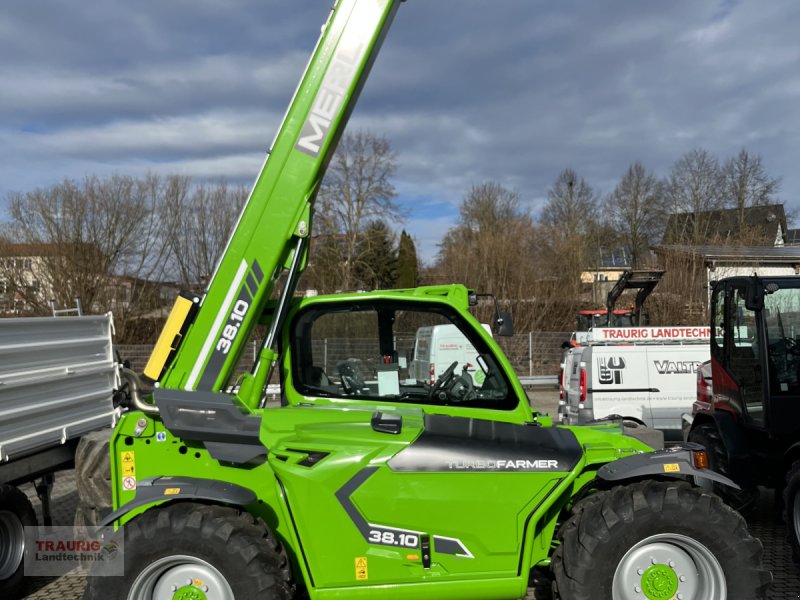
(436, 347)
(643, 374)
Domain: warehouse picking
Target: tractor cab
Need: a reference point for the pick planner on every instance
(755, 352)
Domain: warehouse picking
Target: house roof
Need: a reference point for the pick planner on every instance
(765, 221)
(759, 254)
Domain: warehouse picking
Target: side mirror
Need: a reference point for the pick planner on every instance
(504, 324)
(754, 298)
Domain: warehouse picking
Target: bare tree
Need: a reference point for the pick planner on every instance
(496, 247)
(82, 235)
(197, 224)
(634, 209)
(694, 187)
(570, 216)
(745, 183)
(476, 251)
(356, 190)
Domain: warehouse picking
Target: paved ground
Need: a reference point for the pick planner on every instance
(765, 525)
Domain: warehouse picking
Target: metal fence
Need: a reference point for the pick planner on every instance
(537, 353)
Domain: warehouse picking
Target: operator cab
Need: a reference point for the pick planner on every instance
(380, 349)
(756, 358)
(588, 319)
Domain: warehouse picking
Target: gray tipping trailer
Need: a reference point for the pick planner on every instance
(57, 382)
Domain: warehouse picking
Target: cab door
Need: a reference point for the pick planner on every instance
(427, 497)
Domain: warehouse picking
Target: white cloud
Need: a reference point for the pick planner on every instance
(467, 91)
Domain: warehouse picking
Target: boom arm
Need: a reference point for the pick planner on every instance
(644, 281)
(199, 349)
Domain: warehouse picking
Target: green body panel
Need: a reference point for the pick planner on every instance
(279, 207)
(505, 520)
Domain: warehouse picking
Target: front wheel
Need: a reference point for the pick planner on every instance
(656, 540)
(191, 550)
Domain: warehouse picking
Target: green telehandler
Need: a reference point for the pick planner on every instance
(369, 481)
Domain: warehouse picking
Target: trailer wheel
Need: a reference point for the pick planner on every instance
(791, 509)
(743, 500)
(189, 550)
(658, 540)
(16, 513)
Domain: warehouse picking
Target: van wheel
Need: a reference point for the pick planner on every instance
(189, 550)
(16, 513)
(658, 540)
(743, 500)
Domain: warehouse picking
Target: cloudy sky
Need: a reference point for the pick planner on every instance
(466, 90)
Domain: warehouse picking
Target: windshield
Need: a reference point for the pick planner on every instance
(782, 320)
(396, 352)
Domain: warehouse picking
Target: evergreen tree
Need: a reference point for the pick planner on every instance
(376, 266)
(407, 265)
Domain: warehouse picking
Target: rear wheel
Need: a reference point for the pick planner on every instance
(791, 509)
(93, 478)
(189, 550)
(16, 513)
(743, 500)
(656, 540)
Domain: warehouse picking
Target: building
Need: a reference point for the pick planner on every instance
(752, 226)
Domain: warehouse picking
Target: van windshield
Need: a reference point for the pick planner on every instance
(396, 352)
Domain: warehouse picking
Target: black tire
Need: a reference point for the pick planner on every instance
(93, 469)
(239, 547)
(16, 513)
(791, 509)
(690, 522)
(744, 500)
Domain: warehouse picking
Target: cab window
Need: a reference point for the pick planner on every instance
(396, 352)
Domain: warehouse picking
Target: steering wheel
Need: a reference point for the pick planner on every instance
(352, 381)
(462, 389)
(786, 346)
(444, 379)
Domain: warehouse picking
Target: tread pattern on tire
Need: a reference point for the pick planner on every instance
(592, 540)
(791, 494)
(245, 541)
(93, 469)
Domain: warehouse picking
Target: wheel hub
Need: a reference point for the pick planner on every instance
(189, 592)
(666, 567)
(180, 577)
(659, 582)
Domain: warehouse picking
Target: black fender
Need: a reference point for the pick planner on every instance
(735, 443)
(675, 461)
(159, 489)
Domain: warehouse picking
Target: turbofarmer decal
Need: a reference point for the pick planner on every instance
(452, 444)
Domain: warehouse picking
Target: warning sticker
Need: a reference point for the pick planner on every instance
(672, 468)
(128, 483)
(128, 462)
(362, 573)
